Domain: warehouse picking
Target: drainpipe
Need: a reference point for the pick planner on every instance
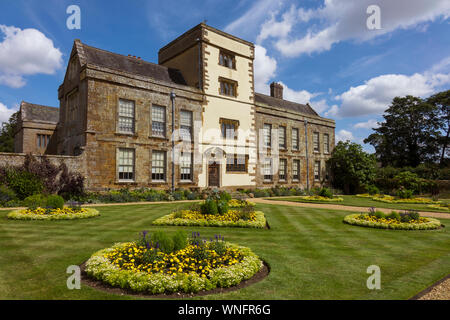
(307, 156)
(172, 98)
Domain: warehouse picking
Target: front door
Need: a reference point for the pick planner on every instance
(213, 174)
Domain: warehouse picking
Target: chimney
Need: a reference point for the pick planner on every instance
(276, 90)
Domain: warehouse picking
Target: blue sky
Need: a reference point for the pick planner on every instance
(322, 51)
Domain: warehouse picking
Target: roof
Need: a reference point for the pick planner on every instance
(131, 65)
(36, 112)
(285, 104)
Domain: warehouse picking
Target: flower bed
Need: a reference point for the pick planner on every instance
(230, 219)
(53, 214)
(320, 199)
(391, 199)
(144, 266)
(440, 206)
(367, 220)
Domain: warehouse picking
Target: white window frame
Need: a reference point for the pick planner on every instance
(124, 161)
(295, 163)
(157, 112)
(127, 115)
(186, 164)
(295, 139)
(156, 168)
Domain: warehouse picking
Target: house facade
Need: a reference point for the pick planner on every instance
(191, 121)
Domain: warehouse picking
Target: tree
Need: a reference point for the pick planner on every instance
(441, 101)
(352, 169)
(7, 133)
(409, 134)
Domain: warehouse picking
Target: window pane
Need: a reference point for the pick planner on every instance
(158, 121)
(158, 165)
(186, 166)
(282, 137)
(295, 139)
(126, 116)
(267, 131)
(126, 164)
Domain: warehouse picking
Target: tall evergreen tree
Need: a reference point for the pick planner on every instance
(441, 100)
(7, 132)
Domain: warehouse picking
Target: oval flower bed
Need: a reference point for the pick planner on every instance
(394, 220)
(320, 199)
(155, 267)
(65, 213)
(440, 206)
(391, 199)
(235, 213)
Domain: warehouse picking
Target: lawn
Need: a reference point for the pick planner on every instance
(312, 254)
(355, 201)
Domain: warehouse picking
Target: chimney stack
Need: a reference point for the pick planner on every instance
(276, 90)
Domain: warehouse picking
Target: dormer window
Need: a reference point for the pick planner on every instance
(227, 60)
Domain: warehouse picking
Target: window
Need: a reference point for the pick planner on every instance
(186, 125)
(282, 137)
(268, 175)
(326, 143)
(282, 170)
(317, 170)
(158, 121)
(126, 116)
(296, 170)
(267, 132)
(186, 166)
(295, 139)
(126, 165)
(316, 141)
(227, 60)
(237, 163)
(42, 140)
(228, 87)
(158, 166)
(229, 128)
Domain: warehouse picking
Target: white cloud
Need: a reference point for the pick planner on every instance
(265, 68)
(344, 135)
(375, 95)
(341, 20)
(26, 52)
(369, 124)
(5, 112)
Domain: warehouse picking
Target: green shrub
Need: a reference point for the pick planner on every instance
(24, 183)
(6, 194)
(222, 207)
(394, 215)
(180, 240)
(209, 207)
(380, 215)
(163, 241)
(325, 192)
(225, 196)
(55, 202)
(404, 193)
(36, 201)
(372, 190)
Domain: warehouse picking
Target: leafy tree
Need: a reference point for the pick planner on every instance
(409, 134)
(441, 101)
(352, 169)
(7, 133)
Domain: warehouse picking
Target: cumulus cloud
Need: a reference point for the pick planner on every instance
(26, 52)
(341, 20)
(375, 95)
(344, 135)
(265, 69)
(6, 113)
(369, 124)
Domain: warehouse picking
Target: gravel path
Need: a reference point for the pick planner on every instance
(341, 207)
(439, 292)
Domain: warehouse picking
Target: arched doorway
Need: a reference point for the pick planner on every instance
(214, 157)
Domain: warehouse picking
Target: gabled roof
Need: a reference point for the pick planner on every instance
(285, 104)
(36, 112)
(133, 65)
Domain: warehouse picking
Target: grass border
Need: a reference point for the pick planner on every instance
(430, 225)
(100, 268)
(169, 220)
(21, 215)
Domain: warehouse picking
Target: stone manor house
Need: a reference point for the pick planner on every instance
(191, 121)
